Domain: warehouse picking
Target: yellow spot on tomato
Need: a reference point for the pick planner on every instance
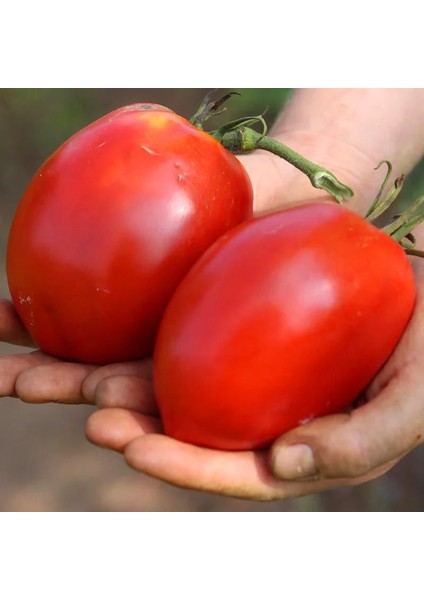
(157, 120)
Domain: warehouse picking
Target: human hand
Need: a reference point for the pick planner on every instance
(334, 451)
(130, 427)
(347, 448)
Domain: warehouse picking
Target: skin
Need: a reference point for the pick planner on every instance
(331, 127)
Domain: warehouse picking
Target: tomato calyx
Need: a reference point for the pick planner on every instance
(210, 108)
(401, 226)
(238, 137)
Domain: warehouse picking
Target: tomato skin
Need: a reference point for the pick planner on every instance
(111, 223)
(285, 318)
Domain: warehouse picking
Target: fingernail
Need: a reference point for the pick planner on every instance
(294, 462)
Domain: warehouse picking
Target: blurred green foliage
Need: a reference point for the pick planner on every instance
(414, 185)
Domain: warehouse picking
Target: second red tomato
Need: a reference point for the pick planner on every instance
(285, 318)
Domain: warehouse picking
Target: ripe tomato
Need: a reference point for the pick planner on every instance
(110, 224)
(285, 318)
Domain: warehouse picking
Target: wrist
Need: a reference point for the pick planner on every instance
(347, 131)
(276, 183)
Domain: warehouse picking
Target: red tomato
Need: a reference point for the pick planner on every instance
(285, 318)
(111, 223)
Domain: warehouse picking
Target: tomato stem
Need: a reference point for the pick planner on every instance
(237, 136)
(402, 226)
(414, 252)
(244, 139)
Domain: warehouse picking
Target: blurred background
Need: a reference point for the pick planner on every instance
(46, 464)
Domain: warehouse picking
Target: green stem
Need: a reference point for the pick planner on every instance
(405, 223)
(244, 139)
(237, 136)
(414, 252)
(401, 227)
(383, 202)
(376, 203)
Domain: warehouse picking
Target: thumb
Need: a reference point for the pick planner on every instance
(352, 445)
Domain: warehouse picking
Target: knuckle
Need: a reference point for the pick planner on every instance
(355, 458)
(104, 391)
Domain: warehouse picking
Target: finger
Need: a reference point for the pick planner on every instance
(12, 366)
(350, 446)
(139, 368)
(239, 474)
(12, 330)
(127, 391)
(58, 382)
(114, 428)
